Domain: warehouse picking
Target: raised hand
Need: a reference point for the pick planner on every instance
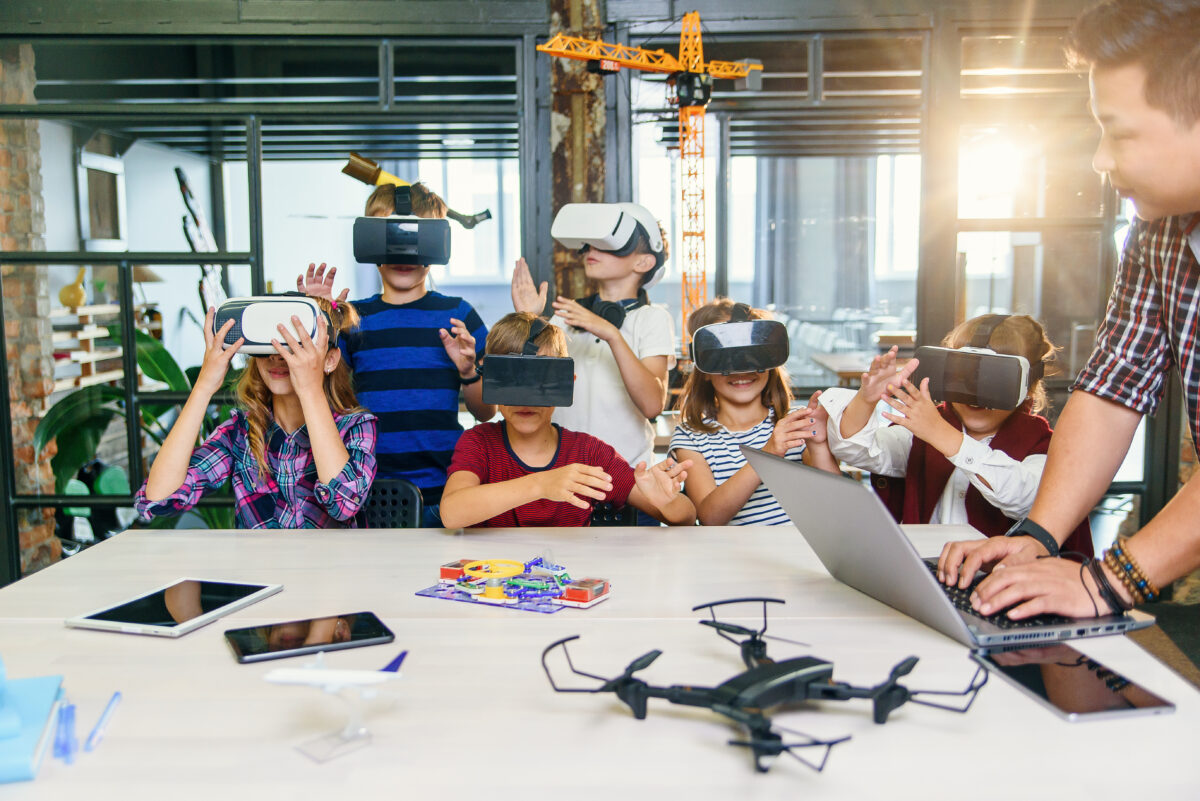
(316, 282)
(882, 373)
(460, 346)
(662, 483)
(305, 356)
(574, 483)
(915, 410)
(525, 296)
(216, 355)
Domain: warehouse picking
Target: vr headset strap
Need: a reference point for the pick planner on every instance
(740, 313)
(403, 199)
(983, 336)
(535, 329)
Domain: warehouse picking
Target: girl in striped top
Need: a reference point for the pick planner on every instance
(721, 412)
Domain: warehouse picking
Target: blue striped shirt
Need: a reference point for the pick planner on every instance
(720, 450)
(403, 374)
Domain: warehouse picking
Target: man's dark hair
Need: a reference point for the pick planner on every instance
(1163, 36)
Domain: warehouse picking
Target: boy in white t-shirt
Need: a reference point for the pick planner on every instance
(623, 347)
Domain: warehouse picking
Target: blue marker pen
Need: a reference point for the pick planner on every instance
(97, 734)
(65, 744)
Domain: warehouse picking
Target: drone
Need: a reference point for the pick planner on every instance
(764, 685)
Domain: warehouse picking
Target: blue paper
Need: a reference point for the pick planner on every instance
(34, 702)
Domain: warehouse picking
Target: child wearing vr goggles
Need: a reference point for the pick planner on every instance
(738, 394)
(623, 347)
(299, 451)
(416, 349)
(977, 456)
(529, 471)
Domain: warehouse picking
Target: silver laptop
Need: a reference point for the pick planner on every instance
(861, 545)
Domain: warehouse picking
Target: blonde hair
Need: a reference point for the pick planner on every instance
(255, 398)
(1016, 335)
(425, 202)
(511, 332)
(699, 399)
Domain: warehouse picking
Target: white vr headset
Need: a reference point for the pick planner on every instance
(256, 320)
(976, 375)
(611, 227)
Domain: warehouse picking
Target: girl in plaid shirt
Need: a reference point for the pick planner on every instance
(300, 451)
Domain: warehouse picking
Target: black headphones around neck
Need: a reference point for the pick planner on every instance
(614, 311)
(982, 336)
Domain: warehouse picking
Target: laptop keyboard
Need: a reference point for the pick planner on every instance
(961, 598)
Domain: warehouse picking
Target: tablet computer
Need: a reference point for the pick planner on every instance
(175, 609)
(298, 637)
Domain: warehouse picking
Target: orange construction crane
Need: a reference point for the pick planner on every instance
(690, 87)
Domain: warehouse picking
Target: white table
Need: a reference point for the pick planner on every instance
(473, 715)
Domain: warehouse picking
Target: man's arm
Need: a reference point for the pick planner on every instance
(1091, 440)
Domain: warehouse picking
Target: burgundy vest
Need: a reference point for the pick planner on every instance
(1021, 435)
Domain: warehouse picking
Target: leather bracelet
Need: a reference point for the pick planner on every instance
(1027, 528)
(467, 381)
(1106, 591)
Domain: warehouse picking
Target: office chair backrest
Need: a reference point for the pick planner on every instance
(393, 503)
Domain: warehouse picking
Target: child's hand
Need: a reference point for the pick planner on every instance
(916, 411)
(820, 418)
(569, 483)
(661, 483)
(216, 355)
(792, 430)
(305, 356)
(875, 381)
(460, 347)
(578, 317)
(525, 297)
(317, 283)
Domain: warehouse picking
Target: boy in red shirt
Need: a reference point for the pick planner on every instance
(527, 471)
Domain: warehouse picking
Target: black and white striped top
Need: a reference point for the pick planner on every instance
(720, 450)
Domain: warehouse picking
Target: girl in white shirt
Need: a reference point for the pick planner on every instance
(949, 463)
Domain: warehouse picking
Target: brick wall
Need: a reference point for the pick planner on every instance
(27, 335)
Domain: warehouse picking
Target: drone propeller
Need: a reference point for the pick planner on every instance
(730, 628)
(641, 663)
(766, 743)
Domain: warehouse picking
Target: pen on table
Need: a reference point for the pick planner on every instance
(65, 744)
(97, 734)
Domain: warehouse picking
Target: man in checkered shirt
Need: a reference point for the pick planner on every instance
(1144, 61)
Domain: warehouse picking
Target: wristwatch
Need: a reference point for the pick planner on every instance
(1027, 528)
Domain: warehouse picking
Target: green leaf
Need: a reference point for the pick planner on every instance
(79, 448)
(75, 410)
(154, 359)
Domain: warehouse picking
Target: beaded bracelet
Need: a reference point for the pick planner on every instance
(1110, 559)
(1125, 558)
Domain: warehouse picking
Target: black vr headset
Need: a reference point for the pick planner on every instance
(976, 375)
(401, 240)
(526, 379)
(740, 345)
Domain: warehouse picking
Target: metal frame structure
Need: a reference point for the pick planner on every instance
(253, 118)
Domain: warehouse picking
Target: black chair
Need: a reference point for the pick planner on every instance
(393, 503)
(605, 514)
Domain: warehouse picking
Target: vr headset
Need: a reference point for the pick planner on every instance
(976, 375)
(611, 227)
(255, 320)
(741, 345)
(527, 379)
(401, 240)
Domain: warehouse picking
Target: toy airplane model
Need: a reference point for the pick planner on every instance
(765, 684)
(315, 674)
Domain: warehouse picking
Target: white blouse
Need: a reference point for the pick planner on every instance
(883, 448)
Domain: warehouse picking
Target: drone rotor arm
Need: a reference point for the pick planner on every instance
(971, 692)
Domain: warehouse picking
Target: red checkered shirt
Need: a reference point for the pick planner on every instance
(1151, 321)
